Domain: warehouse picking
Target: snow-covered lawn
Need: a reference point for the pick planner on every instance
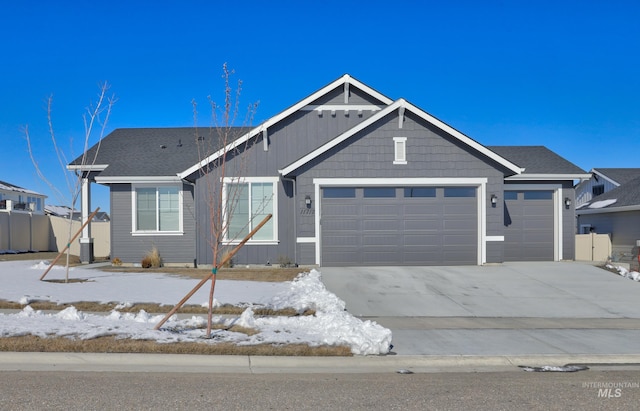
(331, 325)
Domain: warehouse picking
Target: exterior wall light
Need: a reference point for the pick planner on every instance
(307, 200)
(567, 202)
(494, 199)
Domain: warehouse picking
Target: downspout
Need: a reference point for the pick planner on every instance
(195, 212)
(295, 225)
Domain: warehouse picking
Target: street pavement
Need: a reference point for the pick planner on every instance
(553, 309)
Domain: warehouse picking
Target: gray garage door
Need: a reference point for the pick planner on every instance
(528, 220)
(399, 226)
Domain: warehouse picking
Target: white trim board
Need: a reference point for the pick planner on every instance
(479, 182)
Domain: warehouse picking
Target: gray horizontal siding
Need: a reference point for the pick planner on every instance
(132, 249)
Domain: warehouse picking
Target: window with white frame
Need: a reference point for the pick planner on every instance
(248, 201)
(400, 149)
(157, 209)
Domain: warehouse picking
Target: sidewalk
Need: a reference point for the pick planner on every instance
(11, 361)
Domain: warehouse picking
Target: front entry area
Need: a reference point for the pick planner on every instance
(387, 226)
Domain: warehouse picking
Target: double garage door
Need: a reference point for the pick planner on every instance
(362, 226)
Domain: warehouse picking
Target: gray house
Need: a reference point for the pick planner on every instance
(615, 212)
(351, 177)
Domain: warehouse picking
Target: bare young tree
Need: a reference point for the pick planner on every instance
(95, 121)
(221, 145)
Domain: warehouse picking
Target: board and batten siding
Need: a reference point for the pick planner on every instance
(173, 249)
(584, 192)
(430, 154)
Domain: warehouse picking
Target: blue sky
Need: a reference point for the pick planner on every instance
(564, 74)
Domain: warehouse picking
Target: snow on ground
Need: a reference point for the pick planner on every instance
(332, 325)
(632, 275)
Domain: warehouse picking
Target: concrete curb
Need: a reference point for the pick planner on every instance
(18, 361)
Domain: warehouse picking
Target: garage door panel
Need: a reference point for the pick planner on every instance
(458, 209)
(331, 208)
(464, 224)
(426, 208)
(386, 240)
(422, 240)
(428, 224)
(381, 224)
(453, 240)
(378, 210)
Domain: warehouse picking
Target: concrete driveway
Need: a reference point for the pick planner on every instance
(511, 308)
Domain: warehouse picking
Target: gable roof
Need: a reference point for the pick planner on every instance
(618, 176)
(626, 197)
(540, 163)
(400, 104)
(13, 188)
(343, 81)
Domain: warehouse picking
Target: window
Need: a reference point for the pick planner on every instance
(248, 203)
(157, 209)
(420, 192)
(459, 191)
(510, 195)
(597, 190)
(400, 149)
(538, 195)
(379, 192)
(339, 192)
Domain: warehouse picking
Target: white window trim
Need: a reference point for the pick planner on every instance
(274, 217)
(400, 150)
(134, 211)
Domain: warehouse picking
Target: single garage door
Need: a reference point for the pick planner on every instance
(528, 220)
(363, 226)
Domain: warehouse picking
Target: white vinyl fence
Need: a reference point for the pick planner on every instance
(593, 247)
(27, 231)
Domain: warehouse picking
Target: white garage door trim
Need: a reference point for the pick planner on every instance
(481, 183)
(557, 212)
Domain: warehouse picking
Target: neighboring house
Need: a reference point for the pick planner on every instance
(64, 211)
(351, 178)
(603, 180)
(617, 213)
(14, 198)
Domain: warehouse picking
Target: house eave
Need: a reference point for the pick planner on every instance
(87, 167)
(137, 179)
(635, 207)
(547, 177)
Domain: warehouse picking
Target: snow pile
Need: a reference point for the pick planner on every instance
(331, 325)
(632, 275)
(603, 203)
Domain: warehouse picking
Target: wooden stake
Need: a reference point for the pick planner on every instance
(212, 275)
(69, 243)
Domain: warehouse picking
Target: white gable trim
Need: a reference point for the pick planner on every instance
(400, 103)
(612, 181)
(286, 113)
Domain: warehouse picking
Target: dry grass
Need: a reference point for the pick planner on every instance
(32, 343)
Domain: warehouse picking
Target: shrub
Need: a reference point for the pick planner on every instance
(152, 259)
(116, 261)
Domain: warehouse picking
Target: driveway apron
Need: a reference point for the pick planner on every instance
(506, 309)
